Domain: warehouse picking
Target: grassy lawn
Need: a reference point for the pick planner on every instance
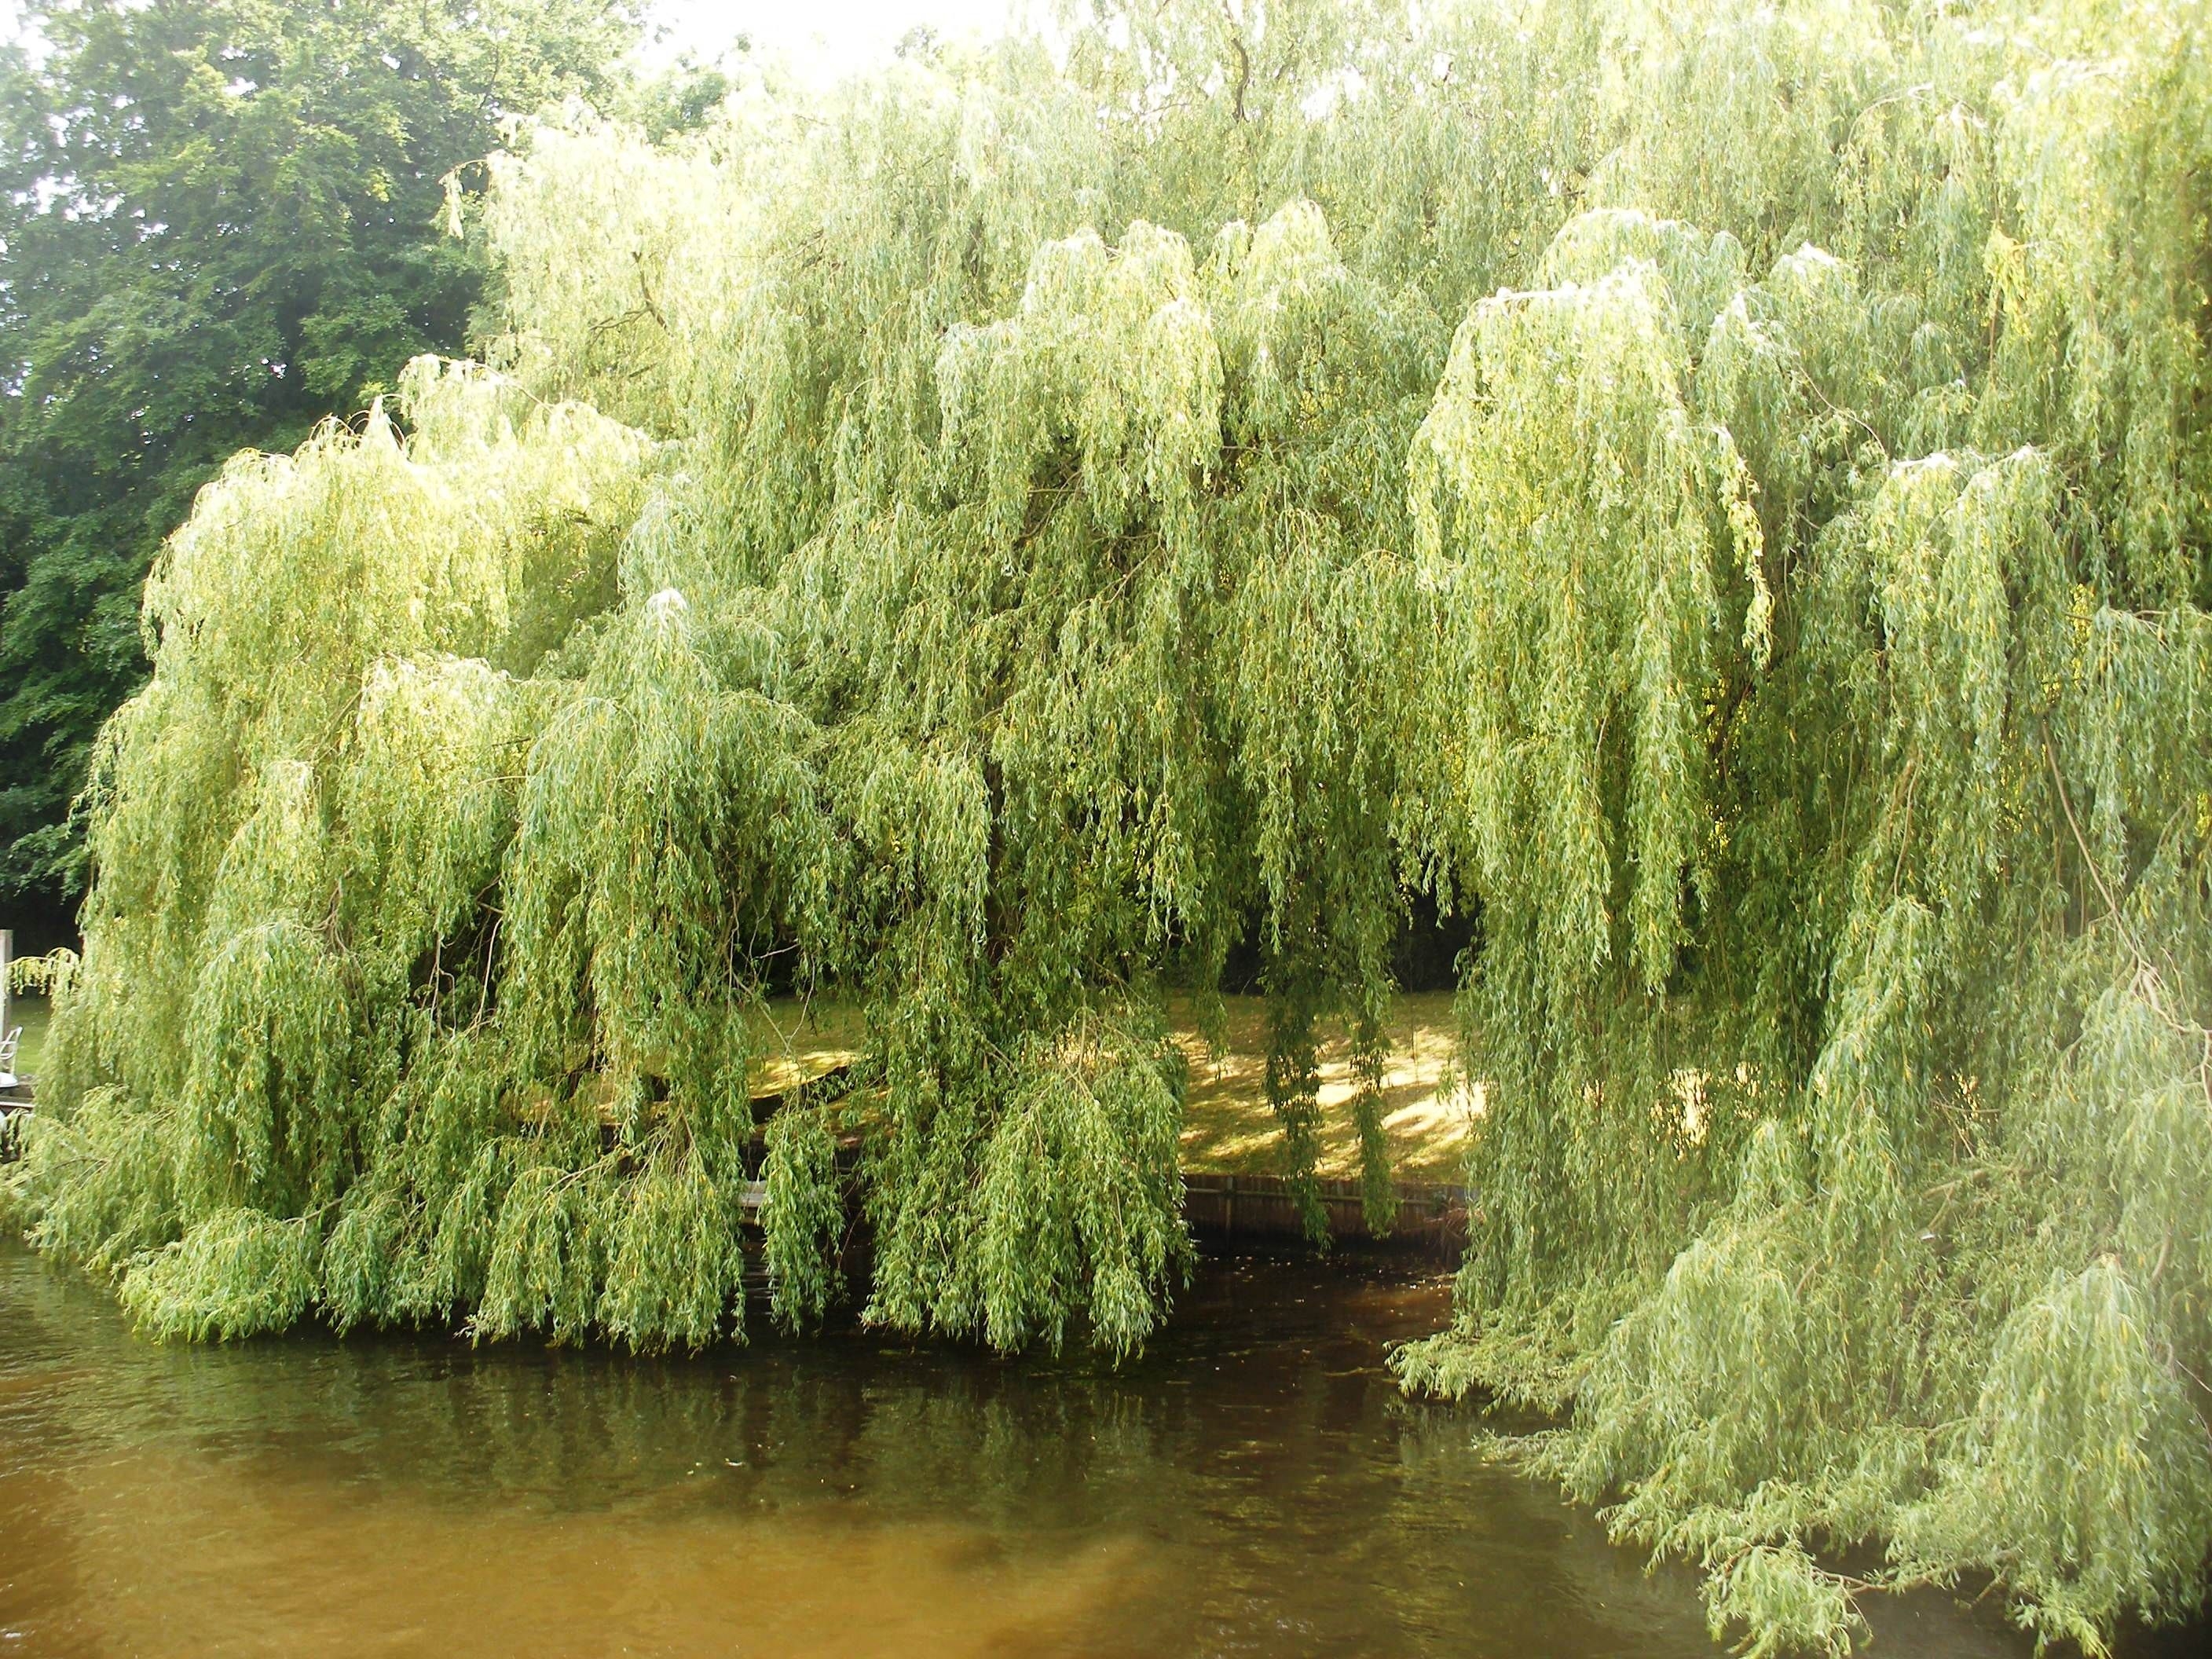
(793, 1041)
(30, 1013)
(1229, 1129)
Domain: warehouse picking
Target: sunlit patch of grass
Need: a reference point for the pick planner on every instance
(1228, 1128)
(794, 1039)
(1426, 1113)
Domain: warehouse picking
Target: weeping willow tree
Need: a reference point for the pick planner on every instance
(1718, 494)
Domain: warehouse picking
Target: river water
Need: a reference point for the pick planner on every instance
(1255, 1485)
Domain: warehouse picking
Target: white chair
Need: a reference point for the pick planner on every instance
(8, 1044)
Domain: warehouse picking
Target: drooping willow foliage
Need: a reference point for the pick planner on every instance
(1720, 493)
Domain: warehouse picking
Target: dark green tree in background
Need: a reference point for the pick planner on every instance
(220, 222)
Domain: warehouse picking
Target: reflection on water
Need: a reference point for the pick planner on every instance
(1255, 1486)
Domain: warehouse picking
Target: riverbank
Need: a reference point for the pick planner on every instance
(1228, 1129)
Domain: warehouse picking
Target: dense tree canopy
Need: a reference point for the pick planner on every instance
(219, 224)
(1716, 490)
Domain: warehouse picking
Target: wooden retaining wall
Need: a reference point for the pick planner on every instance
(1234, 1208)
(1247, 1206)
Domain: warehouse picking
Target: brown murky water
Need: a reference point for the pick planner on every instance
(1255, 1486)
